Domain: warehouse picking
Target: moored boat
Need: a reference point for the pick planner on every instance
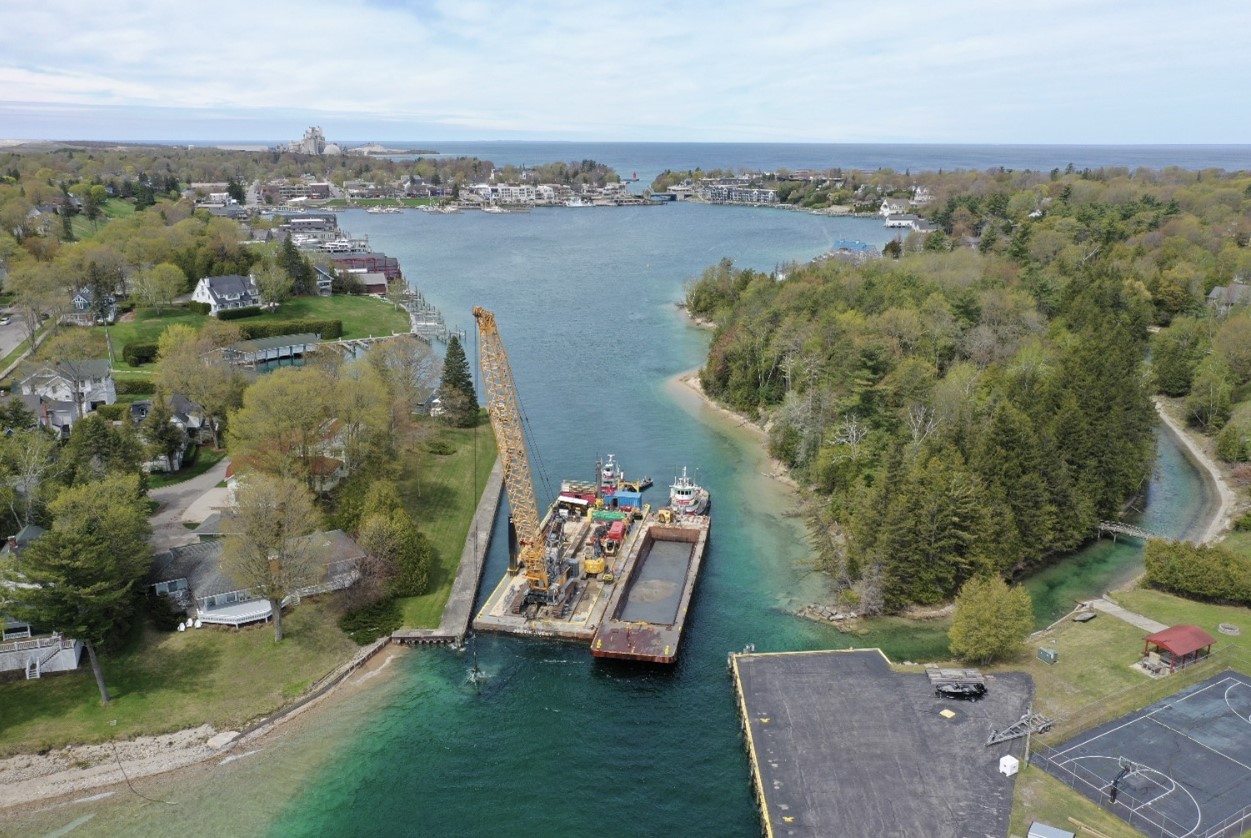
(688, 497)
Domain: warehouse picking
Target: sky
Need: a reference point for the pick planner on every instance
(899, 71)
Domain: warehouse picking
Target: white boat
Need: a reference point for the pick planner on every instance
(577, 202)
(688, 497)
(494, 210)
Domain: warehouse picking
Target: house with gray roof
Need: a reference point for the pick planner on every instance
(226, 292)
(86, 312)
(26, 648)
(193, 576)
(1223, 298)
(83, 384)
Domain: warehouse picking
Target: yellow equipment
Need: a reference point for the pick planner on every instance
(501, 398)
(665, 515)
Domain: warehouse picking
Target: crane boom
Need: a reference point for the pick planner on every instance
(502, 407)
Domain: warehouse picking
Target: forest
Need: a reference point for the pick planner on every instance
(976, 404)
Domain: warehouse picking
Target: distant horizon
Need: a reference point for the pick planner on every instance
(275, 141)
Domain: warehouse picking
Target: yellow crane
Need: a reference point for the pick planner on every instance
(502, 407)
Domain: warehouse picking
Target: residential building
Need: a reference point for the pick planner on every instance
(84, 384)
(1224, 298)
(227, 292)
(85, 313)
(193, 576)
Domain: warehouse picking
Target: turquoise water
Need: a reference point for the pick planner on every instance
(552, 742)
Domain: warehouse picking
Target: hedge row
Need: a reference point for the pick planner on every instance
(199, 308)
(139, 353)
(134, 386)
(1208, 573)
(238, 313)
(328, 329)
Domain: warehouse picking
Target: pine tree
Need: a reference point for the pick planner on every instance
(460, 399)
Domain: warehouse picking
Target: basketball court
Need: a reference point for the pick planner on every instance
(1180, 768)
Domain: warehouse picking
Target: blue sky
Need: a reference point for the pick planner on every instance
(1064, 71)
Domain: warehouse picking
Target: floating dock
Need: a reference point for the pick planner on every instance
(634, 610)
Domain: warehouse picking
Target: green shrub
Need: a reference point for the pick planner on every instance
(440, 447)
(1243, 522)
(1214, 574)
(113, 412)
(327, 329)
(134, 387)
(238, 313)
(369, 622)
(138, 353)
(164, 613)
(199, 308)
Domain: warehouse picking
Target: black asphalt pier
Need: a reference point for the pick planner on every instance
(841, 744)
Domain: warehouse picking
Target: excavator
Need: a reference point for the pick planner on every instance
(538, 553)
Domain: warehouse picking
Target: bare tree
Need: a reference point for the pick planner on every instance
(270, 554)
(851, 432)
(922, 422)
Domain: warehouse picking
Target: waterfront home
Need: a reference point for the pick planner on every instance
(893, 206)
(227, 292)
(369, 263)
(193, 576)
(24, 647)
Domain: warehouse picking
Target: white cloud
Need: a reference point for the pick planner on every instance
(908, 70)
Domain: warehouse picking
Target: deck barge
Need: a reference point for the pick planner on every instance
(647, 611)
(634, 610)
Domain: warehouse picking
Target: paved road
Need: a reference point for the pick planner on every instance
(191, 500)
(11, 333)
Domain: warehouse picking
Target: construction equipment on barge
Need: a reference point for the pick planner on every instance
(547, 576)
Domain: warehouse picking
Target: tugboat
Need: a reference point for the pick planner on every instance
(688, 497)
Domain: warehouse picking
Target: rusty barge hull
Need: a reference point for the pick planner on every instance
(645, 615)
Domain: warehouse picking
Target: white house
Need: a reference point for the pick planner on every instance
(893, 206)
(226, 292)
(85, 384)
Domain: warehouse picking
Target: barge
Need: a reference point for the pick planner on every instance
(629, 572)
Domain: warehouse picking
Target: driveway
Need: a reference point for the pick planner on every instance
(192, 500)
(11, 333)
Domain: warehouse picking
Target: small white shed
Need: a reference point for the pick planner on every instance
(1009, 765)
(1042, 830)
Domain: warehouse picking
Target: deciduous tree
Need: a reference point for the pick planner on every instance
(991, 621)
(270, 552)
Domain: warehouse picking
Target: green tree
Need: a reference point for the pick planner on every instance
(456, 391)
(164, 438)
(97, 449)
(1175, 353)
(1211, 393)
(991, 621)
(271, 553)
(280, 427)
(158, 286)
(190, 363)
(393, 539)
(82, 578)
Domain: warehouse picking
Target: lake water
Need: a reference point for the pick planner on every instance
(553, 742)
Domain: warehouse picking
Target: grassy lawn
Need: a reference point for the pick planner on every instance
(206, 457)
(361, 316)
(168, 681)
(1041, 797)
(1091, 684)
(1173, 610)
(442, 492)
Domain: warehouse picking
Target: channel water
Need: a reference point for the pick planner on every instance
(547, 741)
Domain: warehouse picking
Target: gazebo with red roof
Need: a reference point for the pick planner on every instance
(1179, 646)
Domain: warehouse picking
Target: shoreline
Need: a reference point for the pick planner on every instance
(30, 782)
(1220, 514)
